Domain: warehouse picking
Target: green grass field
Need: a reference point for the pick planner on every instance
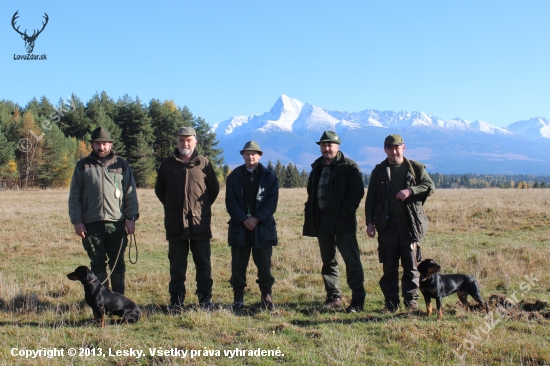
(500, 236)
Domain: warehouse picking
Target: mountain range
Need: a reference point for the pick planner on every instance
(289, 130)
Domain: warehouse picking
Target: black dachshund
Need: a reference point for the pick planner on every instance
(436, 286)
(102, 300)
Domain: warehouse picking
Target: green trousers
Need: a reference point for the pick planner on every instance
(347, 245)
(103, 244)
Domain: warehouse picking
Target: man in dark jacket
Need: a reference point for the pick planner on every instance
(335, 189)
(187, 186)
(252, 193)
(397, 190)
(103, 206)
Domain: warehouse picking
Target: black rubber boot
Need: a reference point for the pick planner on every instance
(117, 281)
(238, 299)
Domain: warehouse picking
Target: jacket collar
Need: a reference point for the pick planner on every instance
(339, 160)
(97, 159)
(192, 161)
(406, 161)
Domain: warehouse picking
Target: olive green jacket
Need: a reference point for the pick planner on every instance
(93, 196)
(379, 192)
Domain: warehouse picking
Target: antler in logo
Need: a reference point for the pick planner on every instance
(29, 40)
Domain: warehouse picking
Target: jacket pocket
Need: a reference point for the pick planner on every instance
(200, 223)
(236, 234)
(268, 235)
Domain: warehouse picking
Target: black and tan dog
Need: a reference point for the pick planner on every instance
(436, 286)
(102, 300)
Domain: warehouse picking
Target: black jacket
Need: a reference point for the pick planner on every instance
(187, 192)
(344, 193)
(266, 204)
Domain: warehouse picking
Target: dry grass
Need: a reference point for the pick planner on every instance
(497, 235)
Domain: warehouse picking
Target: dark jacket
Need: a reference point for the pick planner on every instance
(92, 195)
(265, 232)
(343, 195)
(187, 191)
(379, 192)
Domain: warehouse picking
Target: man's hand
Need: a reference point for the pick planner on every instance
(251, 223)
(130, 226)
(371, 230)
(80, 229)
(404, 194)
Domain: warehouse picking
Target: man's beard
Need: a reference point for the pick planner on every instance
(185, 152)
(102, 154)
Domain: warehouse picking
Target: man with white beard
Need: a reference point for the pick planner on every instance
(187, 186)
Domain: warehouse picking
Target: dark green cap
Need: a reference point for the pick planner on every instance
(186, 131)
(252, 146)
(329, 136)
(101, 134)
(393, 140)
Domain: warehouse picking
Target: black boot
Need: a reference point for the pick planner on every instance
(238, 299)
(266, 301)
(117, 281)
(102, 276)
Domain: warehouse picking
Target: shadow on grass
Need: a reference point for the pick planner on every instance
(30, 303)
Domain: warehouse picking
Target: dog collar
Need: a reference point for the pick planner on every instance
(90, 281)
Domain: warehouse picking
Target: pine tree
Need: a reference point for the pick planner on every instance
(270, 165)
(292, 176)
(7, 156)
(165, 119)
(72, 118)
(304, 177)
(280, 172)
(207, 143)
(58, 159)
(138, 138)
(29, 153)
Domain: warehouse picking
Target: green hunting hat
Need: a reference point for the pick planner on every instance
(329, 136)
(252, 146)
(393, 140)
(186, 131)
(101, 134)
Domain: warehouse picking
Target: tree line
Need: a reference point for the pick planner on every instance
(288, 175)
(471, 180)
(41, 142)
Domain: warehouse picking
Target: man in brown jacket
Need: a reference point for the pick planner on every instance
(187, 186)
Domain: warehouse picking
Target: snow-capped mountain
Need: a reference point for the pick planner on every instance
(289, 130)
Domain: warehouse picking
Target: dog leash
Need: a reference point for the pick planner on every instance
(130, 241)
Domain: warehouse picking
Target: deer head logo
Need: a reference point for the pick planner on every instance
(29, 40)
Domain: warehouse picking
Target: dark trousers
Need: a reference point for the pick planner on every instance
(239, 262)
(349, 250)
(394, 244)
(178, 251)
(103, 244)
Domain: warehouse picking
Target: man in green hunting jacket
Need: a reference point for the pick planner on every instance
(335, 189)
(103, 206)
(397, 190)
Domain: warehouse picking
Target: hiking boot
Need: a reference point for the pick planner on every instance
(411, 305)
(266, 301)
(207, 305)
(175, 307)
(355, 306)
(238, 299)
(333, 302)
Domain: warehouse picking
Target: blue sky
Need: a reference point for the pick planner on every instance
(486, 60)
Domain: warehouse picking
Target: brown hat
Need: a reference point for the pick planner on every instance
(252, 146)
(393, 140)
(101, 134)
(329, 136)
(186, 131)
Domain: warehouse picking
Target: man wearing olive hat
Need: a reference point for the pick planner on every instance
(187, 186)
(103, 206)
(397, 191)
(335, 189)
(252, 193)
